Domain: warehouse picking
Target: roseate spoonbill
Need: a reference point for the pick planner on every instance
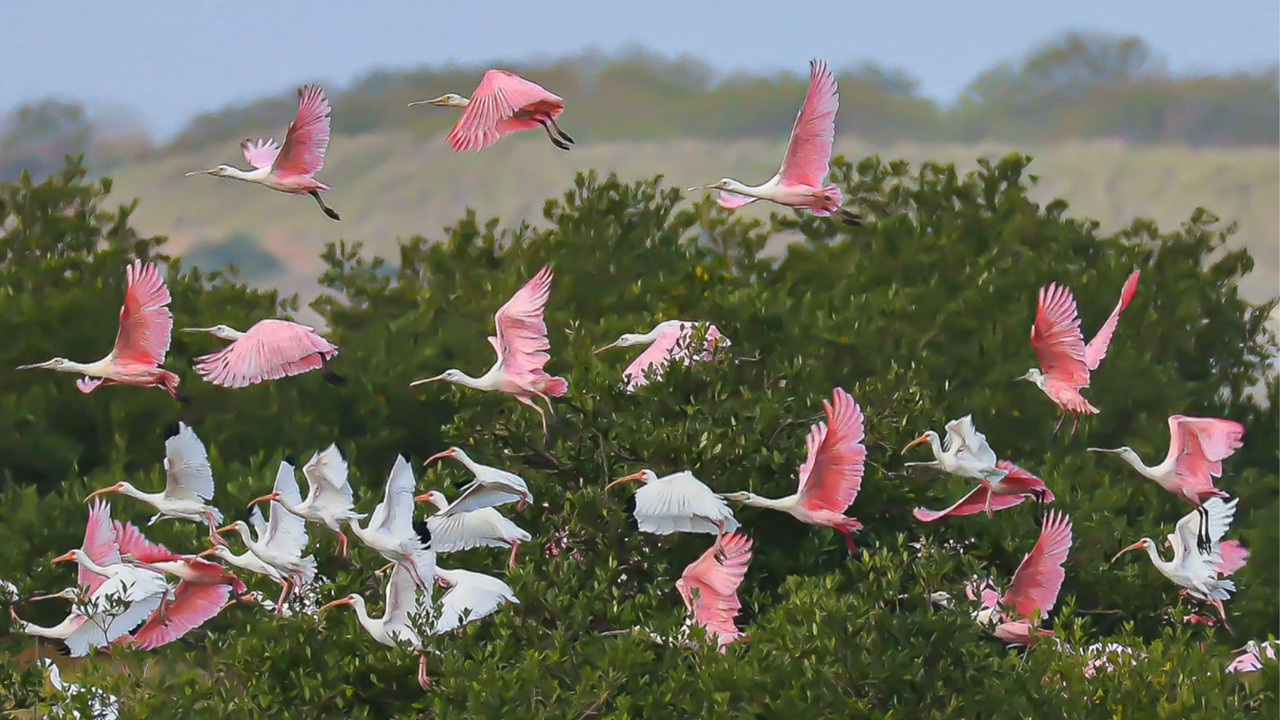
(831, 474)
(129, 595)
(492, 487)
(282, 539)
(520, 345)
(1197, 447)
(455, 531)
(1016, 485)
(470, 596)
(1035, 586)
(1251, 659)
(269, 350)
(102, 706)
(669, 341)
(1192, 569)
(188, 483)
(1065, 361)
(395, 627)
(676, 503)
(141, 341)
(709, 587)
(799, 183)
(290, 168)
(391, 532)
(329, 500)
(503, 103)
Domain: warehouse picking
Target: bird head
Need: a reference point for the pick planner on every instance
(1143, 543)
(219, 171)
(110, 488)
(238, 525)
(452, 452)
(265, 498)
(941, 599)
(451, 375)
(1033, 376)
(917, 441)
(348, 600)
(61, 364)
(226, 332)
(434, 497)
(217, 550)
(446, 100)
(625, 340)
(646, 475)
(68, 556)
(250, 597)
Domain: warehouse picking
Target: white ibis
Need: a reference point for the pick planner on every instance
(395, 627)
(329, 500)
(676, 503)
(453, 531)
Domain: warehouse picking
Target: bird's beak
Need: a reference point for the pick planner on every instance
(437, 456)
(629, 478)
(264, 498)
(1134, 546)
(210, 171)
(384, 568)
(421, 498)
(733, 496)
(416, 383)
(34, 366)
(70, 555)
(915, 442)
(206, 553)
(597, 351)
(203, 330)
(1102, 450)
(700, 187)
(99, 491)
(223, 529)
(432, 101)
(335, 603)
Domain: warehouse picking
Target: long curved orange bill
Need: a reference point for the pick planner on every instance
(629, 478)
(1134, 546)
(421, 498)
(915, 442)
(99, 491)
(437, 456)
(264, 498)
(335, 603)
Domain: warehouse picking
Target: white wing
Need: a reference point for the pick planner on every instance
(485, 527)
(491, 488)
(473, 596)
(973, 446)
(186, 466)
(681, 503)
(326, 472)
(394, 515)
(258, 523)
(402, 597)
(286, 532)
(1220, 516)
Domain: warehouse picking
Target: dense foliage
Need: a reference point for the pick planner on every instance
(922, 315)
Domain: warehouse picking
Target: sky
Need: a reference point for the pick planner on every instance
(169, 60)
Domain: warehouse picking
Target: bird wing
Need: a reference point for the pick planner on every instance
(974, 448)
(973, 502)
(832, 473)
(682, 496)
(260, 154)
(145, 321)
(1199, 445)
(500, 95)
(327, 471)
(188, 475)
(99, 544)
(455, 533)
(1039, 578)
(1056, 337)
(1097, 347)
(473, 596)
(308, 137)
(521, 332)
(1231, 557)
(402, 597)
(394, 514)
(716, 575)
(270, 350)
(258, 523)
(659, 352)
(497, 488)
(1187, 530)
(286, 532)
(133, 542)
(809, 150)
(192, 605)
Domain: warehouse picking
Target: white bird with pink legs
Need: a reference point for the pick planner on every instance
(330, 501)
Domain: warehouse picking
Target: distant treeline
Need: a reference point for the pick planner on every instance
(1079, 86)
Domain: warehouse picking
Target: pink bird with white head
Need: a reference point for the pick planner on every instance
(1065, 360)
(503, 103)
(520, 344)
(709, 587)
(1197, 447)
(269, 350)
(1035, 586)
(141, 342)
(669, 341)
(831, 474)
(799, 183)
(1250, 659)
(290, 168)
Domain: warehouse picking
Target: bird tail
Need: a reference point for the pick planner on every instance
(555, 386)
(169, 381)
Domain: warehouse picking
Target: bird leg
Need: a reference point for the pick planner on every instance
(333, 214)
(287, 587)
(423, 681)
(1075, 422)
(412, 567)
(330, 376)
(342, 544)
(546, 436)
(986, 506)
(554, 140)
(848, 541)
(852, 219)
(214, 537)
(1058, 427)
(511, 561)
(1222, 613)
(563, 135)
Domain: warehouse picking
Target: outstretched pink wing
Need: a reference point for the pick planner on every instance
(973, 502)
(1056, 337)
(809, 151)
(1232, 556)
(672, 344)
(1199, 445)
(832, 473)
(260, 154)
(99, 544)
(1097, 347)
(269, 350)
(500, 95)
(1020, 482)
(522, 333)
(145, 320)
(716, 576)
(132, 542)
(192, 605)
(1039, 578)
(308, 138)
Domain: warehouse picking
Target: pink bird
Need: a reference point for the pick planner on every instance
(269, 350)
(669, 341)
(1035, 586)
(831, 474)
(1251, 659)
(799, 183)
(521, 343)
(709, 587)
(1197, 447)
(1017, 485)
(290, 168)
(141, 342)
(1065, 361)
(503, 103)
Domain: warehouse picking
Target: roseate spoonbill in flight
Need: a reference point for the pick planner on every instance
(669, 341)
(329, 500)
(503, 103)
(521, 343)
(282, 538)
(395, 627)
(1197, 447)
(188, 484)
(1035, 586)
(1193, 570)
(391, 532)
(676, 503)
(1016, 485)
(102, 706)
(141, 341)
(709, 587)
(455, 531)
(290, 168)
(1251, 659)
(831, 474)
(469, 596)
(1065, 360)
(799, 183)
(492, 487)
(269, 350)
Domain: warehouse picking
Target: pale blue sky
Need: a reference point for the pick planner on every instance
(170, 59)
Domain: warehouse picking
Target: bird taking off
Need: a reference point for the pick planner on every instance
(1015, 486)
(799, 183)
(290, 168)
(1035, 586)
(709, 587)
(1065, 360)
(141, 342)
(269, 350)
(669, 341)
(676, 503)
(503, 103)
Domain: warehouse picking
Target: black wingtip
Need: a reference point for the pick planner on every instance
(332, 213)
(424, 532)
(291, 459)
(334, 378)
(630, 506)
(851, 219)
(171, 429)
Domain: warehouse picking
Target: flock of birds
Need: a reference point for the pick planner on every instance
(123, 594)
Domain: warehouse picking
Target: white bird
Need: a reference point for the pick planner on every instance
(965, 453)
(676, 503)
(492, 487)
(395, 627)
(188, 484)
(283, 537)
(1189, 568)
(391, 532)
(101, 705)
(329, 498)
(116, 607)
(455, 531)
(669, 341)
(470, 596)
(252, 563)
